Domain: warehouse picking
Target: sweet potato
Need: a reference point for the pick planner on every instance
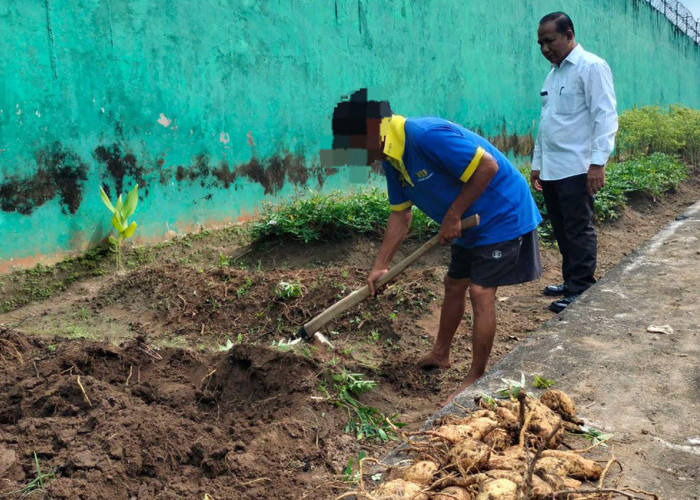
(552, 466)
(475, 429)
(513, 458)
(479, 414)
(398, 489)
(560, 403)
(507, 418)
(498, 439)
(542, 423)
(453, 493)
(558, 483)
(469, 455)
(498, 489)
(574, 464)
(421, 472)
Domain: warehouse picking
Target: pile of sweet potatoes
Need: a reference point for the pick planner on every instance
(504, 450)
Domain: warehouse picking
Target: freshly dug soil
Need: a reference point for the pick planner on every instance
(119, 386)
(135, 422)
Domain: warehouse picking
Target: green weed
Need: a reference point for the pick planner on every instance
(37, 484)
(77, 332)
(226, 346)
(594, 435)
(243, 289)
(323, 217)
(351, 474)
(223, 261)
(543, 383)
(288, 290)
(488, 400)
(511, 388)
(363, 421)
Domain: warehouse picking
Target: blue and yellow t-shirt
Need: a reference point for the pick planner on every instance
(428, 162)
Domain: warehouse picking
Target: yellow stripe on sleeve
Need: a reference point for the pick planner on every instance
(401, 206)
(472, 165)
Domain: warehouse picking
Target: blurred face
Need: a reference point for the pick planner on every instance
(555, 46)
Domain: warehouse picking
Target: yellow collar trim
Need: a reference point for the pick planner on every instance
(395, 137)
(395, 143)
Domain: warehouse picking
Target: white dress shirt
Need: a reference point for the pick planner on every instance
(579, 120)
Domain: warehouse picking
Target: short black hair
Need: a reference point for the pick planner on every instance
(350, 115)
(561, 20)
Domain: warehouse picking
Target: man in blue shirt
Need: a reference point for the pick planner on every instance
(450, 173)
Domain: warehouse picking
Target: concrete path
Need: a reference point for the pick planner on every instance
(643, 387)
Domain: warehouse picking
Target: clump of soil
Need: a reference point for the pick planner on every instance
(132, 421)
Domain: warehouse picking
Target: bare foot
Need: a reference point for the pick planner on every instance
(432, 361)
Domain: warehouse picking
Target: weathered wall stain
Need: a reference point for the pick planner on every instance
(119, 166)
(60, 172)
(224, 174)
(520, 145)
(271, 173)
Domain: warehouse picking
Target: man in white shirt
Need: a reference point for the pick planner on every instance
(575, 138)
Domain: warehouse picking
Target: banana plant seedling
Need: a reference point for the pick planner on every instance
(121, 211)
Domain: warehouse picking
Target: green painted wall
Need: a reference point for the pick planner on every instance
(215, 106)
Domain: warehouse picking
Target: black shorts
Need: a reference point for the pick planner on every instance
(499, 264)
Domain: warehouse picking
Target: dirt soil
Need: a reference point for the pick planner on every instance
(122, 387)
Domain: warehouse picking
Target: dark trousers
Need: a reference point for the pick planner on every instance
(570, 209)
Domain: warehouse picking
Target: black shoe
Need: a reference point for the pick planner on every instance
(559, 305)
(554, 290)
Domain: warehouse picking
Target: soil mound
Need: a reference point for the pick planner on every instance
(131, 421)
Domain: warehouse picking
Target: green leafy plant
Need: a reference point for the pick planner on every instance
(288, 290)
(351, 474)
(653, 129)
(243, 289)
(594, 435)
(488, 400)
(543, 383)
(324, 217)
(121, 211)
(363, 421)
(652, 175)
(511, 388)
(223, 261)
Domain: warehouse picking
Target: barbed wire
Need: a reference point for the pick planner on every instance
(680, 17)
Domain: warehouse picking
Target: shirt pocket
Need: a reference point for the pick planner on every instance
(570, 100)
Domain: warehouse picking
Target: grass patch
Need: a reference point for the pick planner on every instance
(42, 282)
(333, 216)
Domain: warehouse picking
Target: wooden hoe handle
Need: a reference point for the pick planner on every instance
(359, 295)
